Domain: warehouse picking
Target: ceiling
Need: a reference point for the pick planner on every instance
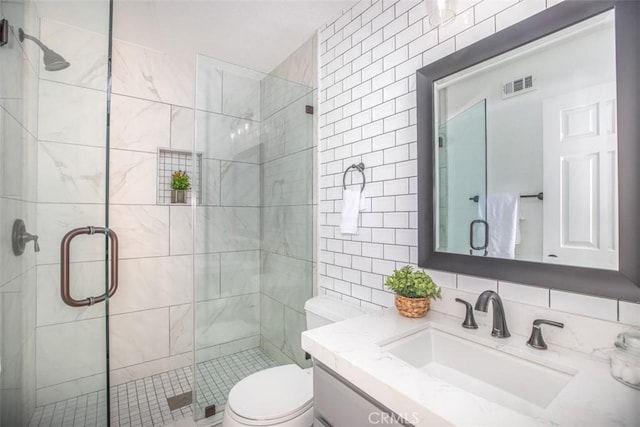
(257, 34)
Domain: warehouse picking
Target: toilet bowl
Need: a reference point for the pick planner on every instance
(283, 396)
(280, 396)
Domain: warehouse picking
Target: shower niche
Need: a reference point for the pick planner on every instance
(170, 161)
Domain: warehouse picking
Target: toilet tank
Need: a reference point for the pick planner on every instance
(323, 309)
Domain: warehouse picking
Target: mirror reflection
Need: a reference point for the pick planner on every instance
(527, 152)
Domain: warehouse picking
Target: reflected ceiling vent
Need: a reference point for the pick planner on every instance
(517, 87)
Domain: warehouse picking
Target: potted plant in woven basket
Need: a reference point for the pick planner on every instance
(413, 289)
(179, 185)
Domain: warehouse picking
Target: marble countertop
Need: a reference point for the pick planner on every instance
(352, 348)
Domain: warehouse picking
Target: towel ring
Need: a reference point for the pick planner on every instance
(360, 168)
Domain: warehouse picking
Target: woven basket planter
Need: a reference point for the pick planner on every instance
(412, 307)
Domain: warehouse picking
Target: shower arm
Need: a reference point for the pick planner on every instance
(22, 35)
(53, 61)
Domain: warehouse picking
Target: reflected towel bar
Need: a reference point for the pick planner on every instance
(65, 291)
(539, 196)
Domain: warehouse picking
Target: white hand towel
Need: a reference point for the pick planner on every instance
(364, 202)
(350, 211)
(503, 218)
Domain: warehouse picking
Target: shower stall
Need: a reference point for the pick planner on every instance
(136, 309)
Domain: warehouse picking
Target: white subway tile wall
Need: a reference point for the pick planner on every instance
(368, 59)
(629, 313)
(601, 308)
(524, 294)
(476, 284)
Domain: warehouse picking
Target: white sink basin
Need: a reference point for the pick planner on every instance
(487, 372)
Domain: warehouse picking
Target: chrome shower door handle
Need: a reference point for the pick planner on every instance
(65, 249)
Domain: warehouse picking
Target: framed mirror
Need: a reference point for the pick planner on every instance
(528, 153)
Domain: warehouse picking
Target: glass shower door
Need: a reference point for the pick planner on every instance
(53, 145)
(462, 182)
(253, 225)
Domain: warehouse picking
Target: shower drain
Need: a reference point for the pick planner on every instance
(179, 401)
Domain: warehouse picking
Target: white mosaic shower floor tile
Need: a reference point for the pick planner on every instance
(216, 377)
(144, 402)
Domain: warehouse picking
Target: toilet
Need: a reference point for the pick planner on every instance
(283, 396)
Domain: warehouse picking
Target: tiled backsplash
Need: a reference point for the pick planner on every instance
(588, 331)
(368, 59)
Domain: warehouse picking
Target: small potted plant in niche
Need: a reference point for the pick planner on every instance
(413, 291)
(179, 186)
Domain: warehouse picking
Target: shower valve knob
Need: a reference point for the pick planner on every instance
(20, 238)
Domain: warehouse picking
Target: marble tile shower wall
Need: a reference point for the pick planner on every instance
(18, 129)
(228, 224)
(287, 204)
(368, 59)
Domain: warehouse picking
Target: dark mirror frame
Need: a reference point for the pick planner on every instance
(623, 284)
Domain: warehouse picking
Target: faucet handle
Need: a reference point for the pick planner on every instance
(469, 321)
(36, 246)
(536, 340)
(28, 237)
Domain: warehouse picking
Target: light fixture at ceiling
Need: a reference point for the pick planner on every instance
(440, 12)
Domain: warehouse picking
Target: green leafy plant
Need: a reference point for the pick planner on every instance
(412, 284)
(180, 180)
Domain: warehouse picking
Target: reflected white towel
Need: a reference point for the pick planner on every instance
(503, 216)
(350, 210)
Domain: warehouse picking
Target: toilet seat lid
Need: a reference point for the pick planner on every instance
(272, 394)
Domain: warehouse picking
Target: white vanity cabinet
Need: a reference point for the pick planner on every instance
(337, 403)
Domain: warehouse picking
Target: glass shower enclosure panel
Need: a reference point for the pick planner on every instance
(252, 225)
(53, 179)
(462, 181)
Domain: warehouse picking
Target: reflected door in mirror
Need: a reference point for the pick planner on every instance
(580, 185)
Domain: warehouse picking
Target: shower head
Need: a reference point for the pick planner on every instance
(52, 61)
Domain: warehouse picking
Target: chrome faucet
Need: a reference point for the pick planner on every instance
(500, 329)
